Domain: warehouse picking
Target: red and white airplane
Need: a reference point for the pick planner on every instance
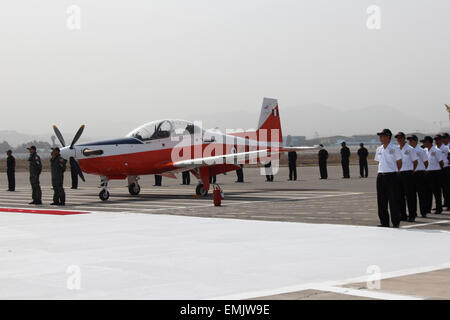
(166, 147)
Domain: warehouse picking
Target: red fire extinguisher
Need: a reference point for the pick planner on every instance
(217, 195)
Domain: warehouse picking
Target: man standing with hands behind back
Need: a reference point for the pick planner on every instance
(35, 172)
(363, 153)
(323, 156)
(419, 173)
(11, 171)
(345, 160)
(406, 179)
(433, 174)
(389, 160)
(58, 166)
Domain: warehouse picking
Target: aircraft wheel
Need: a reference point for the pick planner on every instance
(104, 195)
(200, 191)
(134, 189)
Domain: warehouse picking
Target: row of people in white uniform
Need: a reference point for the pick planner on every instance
(408, 171)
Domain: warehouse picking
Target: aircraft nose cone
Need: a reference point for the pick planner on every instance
(66, 152)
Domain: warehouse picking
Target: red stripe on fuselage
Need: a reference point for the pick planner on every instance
(147, 162)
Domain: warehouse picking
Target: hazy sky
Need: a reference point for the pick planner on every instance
(136, 61)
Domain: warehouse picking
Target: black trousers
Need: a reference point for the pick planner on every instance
(186, 177)
(420, 189)
(407, 195)
(240, 175)
(36, 188)
(346, 168)
(433, 188)
(158, 180)
(11, 180)
(212, 179)
(292, 171)
(387, 196)
(74, 175)
(269, 177)
(323, 169)
(363, 168)
(446, 186)
(59, 196)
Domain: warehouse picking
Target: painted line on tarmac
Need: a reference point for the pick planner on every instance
(374, 294)
(303, 287)
(425, 224)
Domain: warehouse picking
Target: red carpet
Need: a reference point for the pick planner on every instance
(44, 211)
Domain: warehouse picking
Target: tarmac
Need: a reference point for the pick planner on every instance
(328, 204)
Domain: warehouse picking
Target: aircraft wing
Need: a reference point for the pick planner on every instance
(232, 158)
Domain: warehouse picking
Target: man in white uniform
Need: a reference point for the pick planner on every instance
(419, 173)
(442, 145)
(406, 179)
(433, 175)
(389, 160)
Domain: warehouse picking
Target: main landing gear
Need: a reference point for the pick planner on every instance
(104, 193)
(133, 186)
(200, 190)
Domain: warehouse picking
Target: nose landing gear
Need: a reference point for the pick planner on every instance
(104, 193)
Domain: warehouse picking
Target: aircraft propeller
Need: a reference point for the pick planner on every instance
(72, 160)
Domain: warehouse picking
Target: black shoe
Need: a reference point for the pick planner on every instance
(411, 219)
(404, 219)
(438, 212)
(38, 203)
(61, 204)
(383, 226)
(423, 215)
(54, 204)
(32, 202)
(73, 188)
(396, 226)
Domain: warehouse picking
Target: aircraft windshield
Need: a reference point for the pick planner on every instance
(163, 129)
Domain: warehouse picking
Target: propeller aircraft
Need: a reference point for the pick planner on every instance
(167, 147)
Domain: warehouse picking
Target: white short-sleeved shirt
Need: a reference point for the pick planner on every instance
(387, 158)
(409, 155)
(445, 151)
(422, 155)
(434, 157)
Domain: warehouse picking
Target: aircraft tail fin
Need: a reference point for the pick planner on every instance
(269, 125)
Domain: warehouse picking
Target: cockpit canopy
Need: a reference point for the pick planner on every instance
(163, 129)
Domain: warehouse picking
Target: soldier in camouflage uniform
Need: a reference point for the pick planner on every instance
(58, 166)
(35, 172)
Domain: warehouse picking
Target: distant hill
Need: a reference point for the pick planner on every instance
(15, 138)
(314, 120)
(326, 121)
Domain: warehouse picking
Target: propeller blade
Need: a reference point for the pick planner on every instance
(74, 163)
(59, 136)
(77, 136)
